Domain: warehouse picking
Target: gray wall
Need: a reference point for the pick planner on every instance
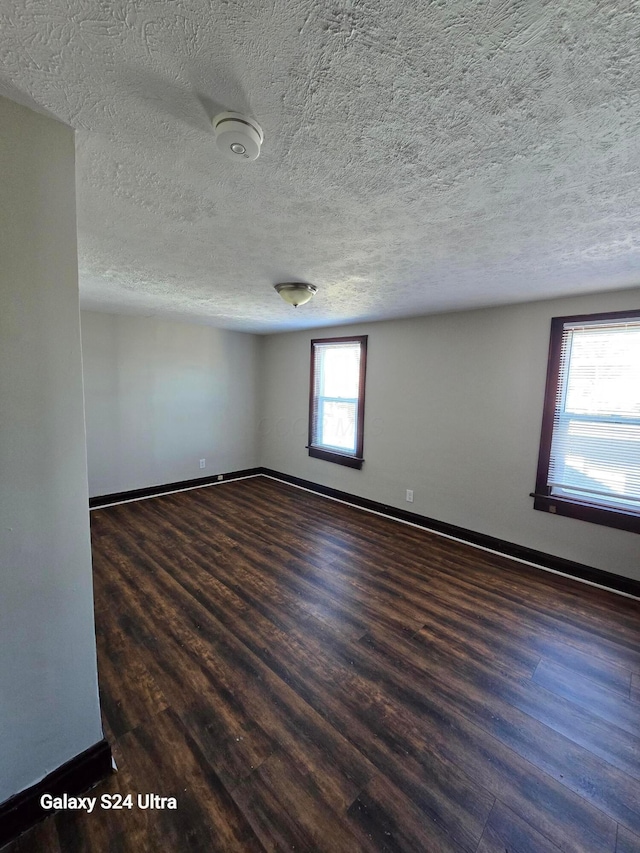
(48, 682)
(453, 411)
(162, 395)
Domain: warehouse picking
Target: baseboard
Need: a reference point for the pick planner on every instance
(616, 583)
(579, 571)
(20, 813)
(164, 488)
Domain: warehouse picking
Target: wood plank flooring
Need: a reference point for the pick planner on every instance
(302, 675)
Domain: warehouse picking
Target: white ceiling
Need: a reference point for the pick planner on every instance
(419, 156)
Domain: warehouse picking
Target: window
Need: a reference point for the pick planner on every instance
(589, 463)
(336, 400)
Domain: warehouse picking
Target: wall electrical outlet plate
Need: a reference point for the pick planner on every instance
(410, 495)
(203, 462)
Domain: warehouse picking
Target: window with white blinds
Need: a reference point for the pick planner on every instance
(336, 405)
(590, 449)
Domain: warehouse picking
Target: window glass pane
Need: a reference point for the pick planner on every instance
(337, 421)
(340, 371)
(604, 372)
(597, 457)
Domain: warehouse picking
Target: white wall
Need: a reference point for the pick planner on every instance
(49, 708)
(453, 411)
(162, 395)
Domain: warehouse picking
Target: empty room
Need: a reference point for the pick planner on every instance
(319, 426)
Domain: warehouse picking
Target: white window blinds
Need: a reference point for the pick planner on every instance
(595, 447)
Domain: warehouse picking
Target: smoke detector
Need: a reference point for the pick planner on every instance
(238, 137)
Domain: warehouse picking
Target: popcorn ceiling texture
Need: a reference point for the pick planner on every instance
(419, 156)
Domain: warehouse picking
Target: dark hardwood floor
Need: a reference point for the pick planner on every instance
(302, 675)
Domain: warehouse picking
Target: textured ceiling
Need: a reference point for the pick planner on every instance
(418, 157)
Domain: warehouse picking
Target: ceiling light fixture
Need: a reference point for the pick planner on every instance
(296, 292)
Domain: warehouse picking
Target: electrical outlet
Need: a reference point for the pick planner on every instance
(203, 463)
(220, 476)
(410, 495)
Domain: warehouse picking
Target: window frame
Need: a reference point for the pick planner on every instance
(351, 460)
(583, 510)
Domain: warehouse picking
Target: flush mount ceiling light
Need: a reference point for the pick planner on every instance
(237, 136)
(296, 292)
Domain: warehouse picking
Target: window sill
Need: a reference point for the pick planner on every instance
(588, 512)
(338, 458)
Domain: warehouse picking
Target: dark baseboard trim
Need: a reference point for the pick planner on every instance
(617, 583)
(150, 491)
(20, 813)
